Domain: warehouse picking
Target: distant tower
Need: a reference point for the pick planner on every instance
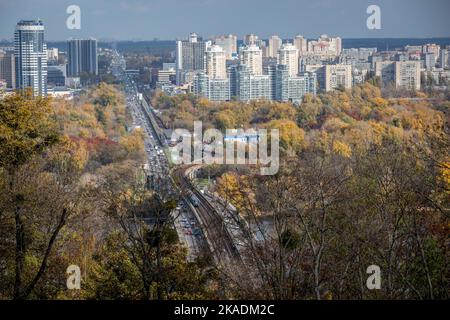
(30, 53)
(190, 56)
(288, 56)
(250, 39)
(301, 44)
(82, 57)
(251, 56)
(274, 46)
(216, 62)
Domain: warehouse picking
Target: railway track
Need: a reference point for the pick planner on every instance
(221, 242)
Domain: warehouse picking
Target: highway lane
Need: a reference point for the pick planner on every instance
(157, 167)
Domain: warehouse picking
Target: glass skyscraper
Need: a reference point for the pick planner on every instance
(31, 56)
(82, 57)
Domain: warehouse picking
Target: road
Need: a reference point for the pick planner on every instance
(200, 225)
(219, 239)
(157, 166)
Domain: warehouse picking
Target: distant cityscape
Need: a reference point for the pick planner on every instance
(223, 68)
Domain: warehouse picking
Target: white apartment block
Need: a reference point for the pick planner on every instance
(337, 76)
(216, 62)
(301, 44)
(326, 45)
(251, 56)
(403, 74)
(288, 56)
(274, 45)
(228, 44)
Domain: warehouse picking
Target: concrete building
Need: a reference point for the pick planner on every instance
(429, 61)
(250, 39)
(8, 69)
(212, 89)
(190, 56)
(403, 74)
(216, 62)
(52, 54)
(431, 48)
(56, 75)
(274, 45)
(82, 57)
(407, 75)
(337, 76)
(166, 76)
(326, 45)
(443, 59)
(252, 86)
(288, 56)
(293, 89)
(251, 56)
(228, 44)
(30, 51)
(301, 44)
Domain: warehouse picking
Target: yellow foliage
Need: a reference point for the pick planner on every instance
(342, 149)
(291, 136)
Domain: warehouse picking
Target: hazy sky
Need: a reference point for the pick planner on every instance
(171, 19)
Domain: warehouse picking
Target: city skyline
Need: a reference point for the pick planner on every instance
(168, 20)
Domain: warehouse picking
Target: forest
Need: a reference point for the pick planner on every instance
(364, 180)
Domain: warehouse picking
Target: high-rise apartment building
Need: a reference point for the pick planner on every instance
(407, 75)
(288, 56)
(337, 76)
(212, 89)
(228, 44)
(190, 56)
(82, 57)
(431, 48)
(429, 60)
(30, 52)
(274, 45)
(216, 62)
(250, 39)
(301, 44)
(251, 86)
(326, 45)
(287, 88)
(8, 69)
(251, 56)
(443, 59)
(403, 74)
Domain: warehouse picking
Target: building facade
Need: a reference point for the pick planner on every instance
(216, 62)
(251, 56)
(403, 74)
(189, 56)
(30, 51)
(288, 56)
(82, 57)
(337, 76)
(274, 45)
(301, 44)
(212, 89)
(8, 69)
(228, 44)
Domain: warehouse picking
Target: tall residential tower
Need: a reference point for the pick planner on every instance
(30, 53)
